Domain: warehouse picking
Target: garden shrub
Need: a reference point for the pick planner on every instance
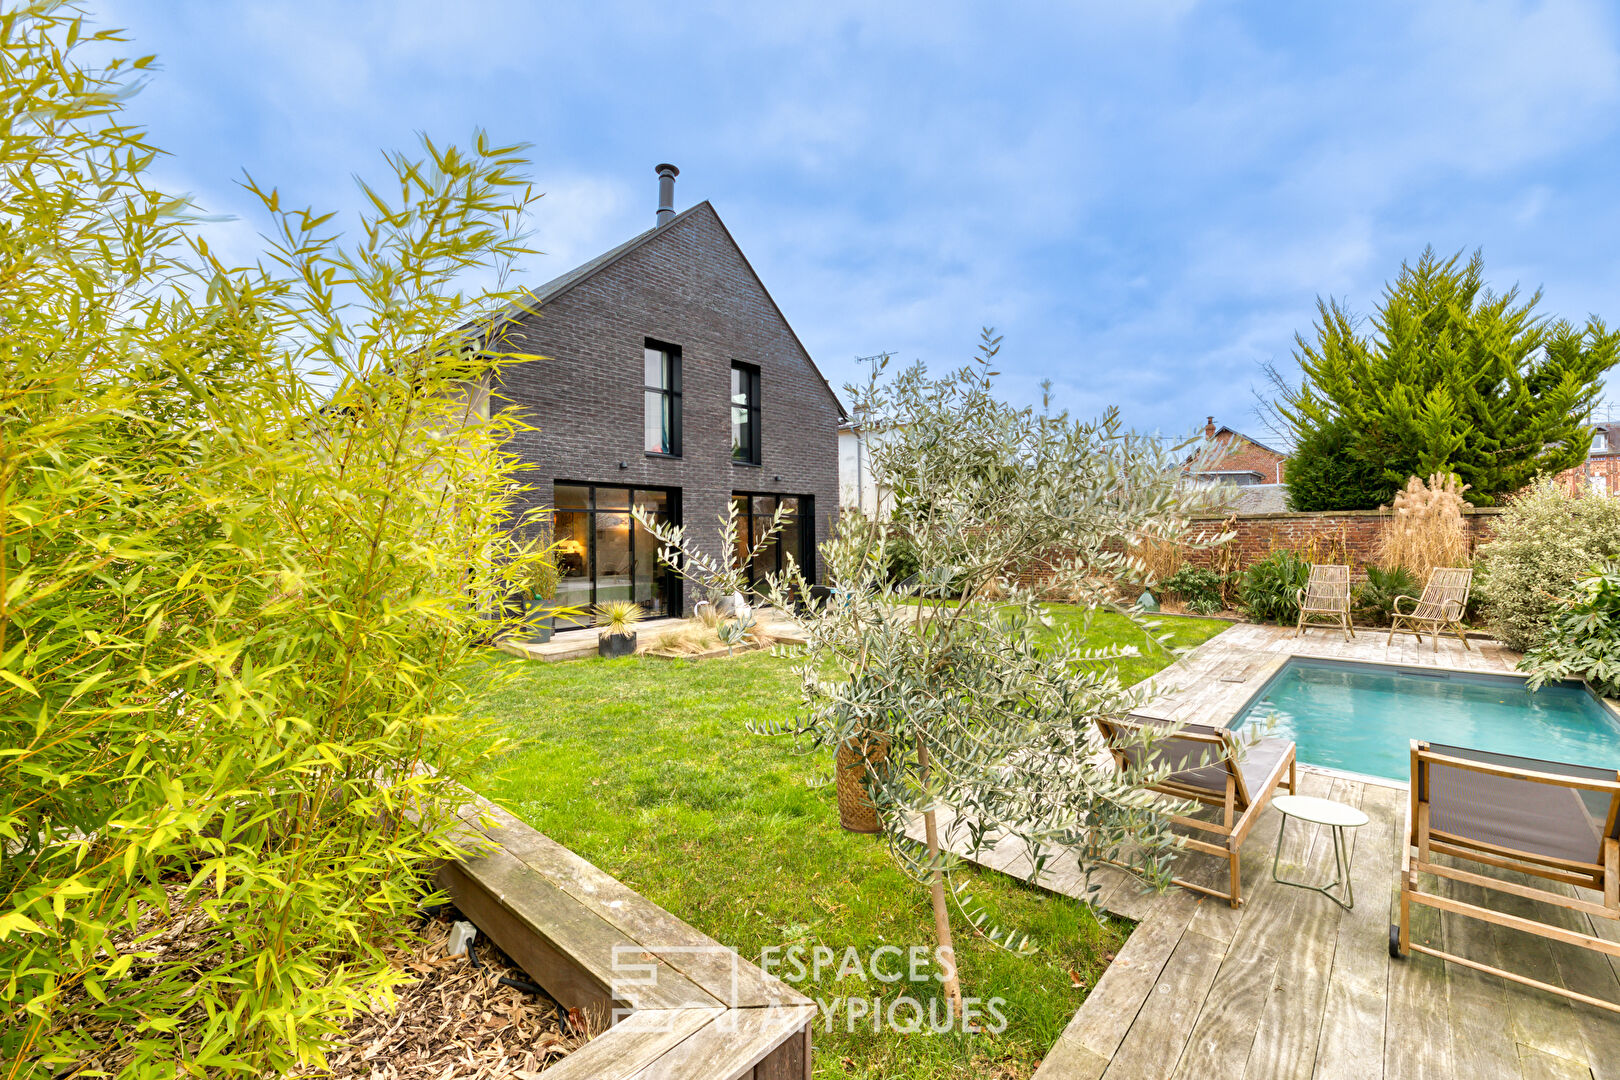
(1373, 601)
(1271, 586)
(233, 612)
(1545, 540)
(1582, 640)
(1196, 587)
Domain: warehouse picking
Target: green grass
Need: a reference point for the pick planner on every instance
(645, 768)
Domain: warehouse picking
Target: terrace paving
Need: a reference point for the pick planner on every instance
(1290, 984)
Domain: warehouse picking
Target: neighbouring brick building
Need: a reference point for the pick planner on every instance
(669, 380)
(1599, 474)
(1237, 459)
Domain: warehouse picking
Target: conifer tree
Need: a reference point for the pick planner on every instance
(1453, 378)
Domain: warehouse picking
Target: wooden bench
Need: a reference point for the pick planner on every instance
(676, 1003)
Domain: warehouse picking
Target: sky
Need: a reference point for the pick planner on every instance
(1146, 197)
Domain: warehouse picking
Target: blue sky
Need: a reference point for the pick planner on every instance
(1144, 196)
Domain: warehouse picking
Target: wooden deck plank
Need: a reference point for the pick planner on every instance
(1590, 973)
(633, 1044)
(730, 1045)
(1289, 1027)
(1481, 1042)
(1540, 1020)
(1353, 1014)
(1071, 1061)
(1224, 1032)
(1535, 1065)
(1101, 1023)
(1160, 1030)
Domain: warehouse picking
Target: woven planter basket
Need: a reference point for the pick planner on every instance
(855, 810)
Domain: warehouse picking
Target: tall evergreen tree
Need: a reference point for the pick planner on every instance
(1452, 378)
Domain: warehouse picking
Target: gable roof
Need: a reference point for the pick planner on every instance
(533, 299)
(1249, 439)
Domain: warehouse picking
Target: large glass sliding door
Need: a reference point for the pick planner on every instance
(604, 554)
(755, 513)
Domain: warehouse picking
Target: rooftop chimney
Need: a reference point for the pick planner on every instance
(666, 192)
(1209, 428)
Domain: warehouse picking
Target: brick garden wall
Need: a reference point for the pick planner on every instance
(1357, 531)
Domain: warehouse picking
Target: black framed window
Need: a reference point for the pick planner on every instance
(754, 516)
(604, 554)
(661, 390)
(745, 414)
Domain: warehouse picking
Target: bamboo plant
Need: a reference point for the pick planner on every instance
(237, 604)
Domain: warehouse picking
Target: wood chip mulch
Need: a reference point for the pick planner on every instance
(457, 1022)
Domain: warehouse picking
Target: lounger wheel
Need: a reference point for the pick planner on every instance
(1395, 941)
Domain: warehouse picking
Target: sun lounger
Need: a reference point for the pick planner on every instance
(1542, 819)
(1208, 766)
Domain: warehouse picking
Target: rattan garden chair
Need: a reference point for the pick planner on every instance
(1325, 600)
(1207, 766)
(1441, 608)
(1533, 819)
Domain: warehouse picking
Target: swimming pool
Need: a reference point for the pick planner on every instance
(1362, 717)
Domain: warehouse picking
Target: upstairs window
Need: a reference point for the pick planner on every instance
(1600, 441)
(745, 414)
(662, 394)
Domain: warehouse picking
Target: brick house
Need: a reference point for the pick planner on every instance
(1599, 474)
(668, 380)
(1237, 459)
(1231, 457)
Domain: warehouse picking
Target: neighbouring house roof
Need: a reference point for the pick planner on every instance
(1260, 499)
(533, 299)
(1249, 439)
(1219, 473)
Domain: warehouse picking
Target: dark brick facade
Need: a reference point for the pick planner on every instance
(685, 284)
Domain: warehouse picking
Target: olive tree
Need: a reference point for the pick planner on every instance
(980, 712)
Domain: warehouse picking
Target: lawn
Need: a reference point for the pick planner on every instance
(645, 768)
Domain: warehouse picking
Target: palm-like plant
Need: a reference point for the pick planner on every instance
(619, 618)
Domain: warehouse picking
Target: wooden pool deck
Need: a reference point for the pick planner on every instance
(1291, 985)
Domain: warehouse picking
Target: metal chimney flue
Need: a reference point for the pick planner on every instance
(666, 192)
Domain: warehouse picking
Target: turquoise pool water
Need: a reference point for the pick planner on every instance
(1362, 717)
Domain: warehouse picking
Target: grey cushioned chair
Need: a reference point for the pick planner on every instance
(1208, 766)
(1543, 819)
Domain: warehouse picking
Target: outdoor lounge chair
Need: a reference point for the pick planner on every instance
(1543, 819)
(1445, 599)
(1325, 600)
(1209, 766)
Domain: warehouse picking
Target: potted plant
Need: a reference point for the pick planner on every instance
(539, 583)
(618, 622)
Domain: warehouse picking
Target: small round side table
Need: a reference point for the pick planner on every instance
(1334, 815)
